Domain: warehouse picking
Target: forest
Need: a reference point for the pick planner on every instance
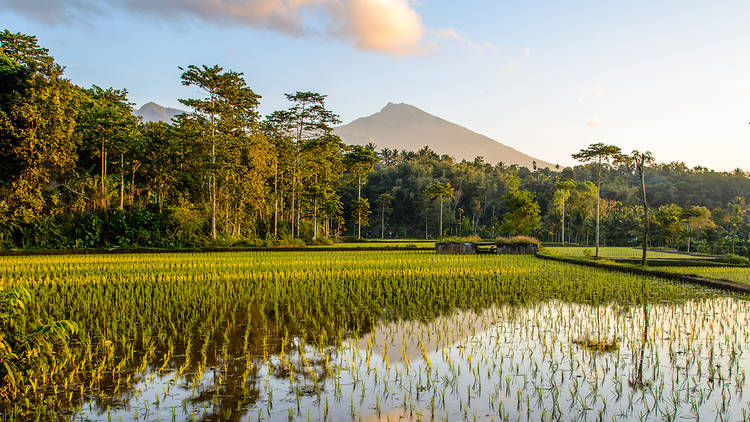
(79, 170)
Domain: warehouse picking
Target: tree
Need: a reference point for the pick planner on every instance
(563, 193)
(598, 153)
(696, 218)
(522, 216)
(306, 119)
(38, 110)
(737, 211)
(108, 125)
(443, 191)
(228, 108)
(640, 160)
(384, 200)
(359, 161)
(324, 165)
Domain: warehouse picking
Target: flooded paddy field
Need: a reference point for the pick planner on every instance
(400, 335)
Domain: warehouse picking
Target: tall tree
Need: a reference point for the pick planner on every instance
(737, 210)
(306, 119)
(640, 160)
(108, 125)
(563, 193)
(359, 161)
(599, 153)
(442, 191)
(228, 109)
(384, 200)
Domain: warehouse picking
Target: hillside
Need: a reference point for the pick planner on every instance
(152, 112)
(405, 127)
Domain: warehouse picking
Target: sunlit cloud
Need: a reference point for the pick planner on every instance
(595, 122)
(389, 26)
(527, 52)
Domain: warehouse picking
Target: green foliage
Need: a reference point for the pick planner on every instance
(522, 217)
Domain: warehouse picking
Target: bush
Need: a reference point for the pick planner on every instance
(464, 239)
(517, 240)
(288, 242)
(184, 227)
(734, 259)
(321, 241)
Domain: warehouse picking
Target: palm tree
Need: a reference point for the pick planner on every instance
(442, 191)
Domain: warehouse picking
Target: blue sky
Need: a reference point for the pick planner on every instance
(547, 78)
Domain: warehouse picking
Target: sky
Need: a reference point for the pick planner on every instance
(544, 77)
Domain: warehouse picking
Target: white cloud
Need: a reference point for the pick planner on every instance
(510, 66)
(527, 52)
(452, 34)
(594, 91)
(448, 33)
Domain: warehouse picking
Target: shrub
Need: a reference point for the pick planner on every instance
(517, 240)
(184, 227)
(735, 259)
(464, 239)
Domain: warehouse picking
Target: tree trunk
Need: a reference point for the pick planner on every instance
(104, 171)
(213, 171)
(441, 218)
(132, 186)
(563, 219)
(122, 180)
(359, 207)
(382, 221)
(598, 199)
(645, 213)
(294, 188)
(275, 199)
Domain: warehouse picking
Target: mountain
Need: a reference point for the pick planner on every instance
(405, 127)
(152, 112)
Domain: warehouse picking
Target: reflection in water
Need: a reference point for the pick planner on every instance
(674, 361)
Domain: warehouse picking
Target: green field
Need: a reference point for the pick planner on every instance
(738, 274)
(381, 244)
(373, 336)
(614, 252)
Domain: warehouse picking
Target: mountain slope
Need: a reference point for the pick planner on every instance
(405, 127)
(152, 112)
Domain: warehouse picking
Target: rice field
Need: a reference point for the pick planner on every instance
(738, 274)
(380, 244)
(615, 252)
(401, 335)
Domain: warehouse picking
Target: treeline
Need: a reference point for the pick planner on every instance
(80, 171)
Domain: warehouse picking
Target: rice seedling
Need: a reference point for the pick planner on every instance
(373, 335)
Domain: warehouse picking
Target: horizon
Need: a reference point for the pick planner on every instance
(543, 79)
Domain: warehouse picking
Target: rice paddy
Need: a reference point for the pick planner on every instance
(738, 274)
(617, 252)
(396, 335)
